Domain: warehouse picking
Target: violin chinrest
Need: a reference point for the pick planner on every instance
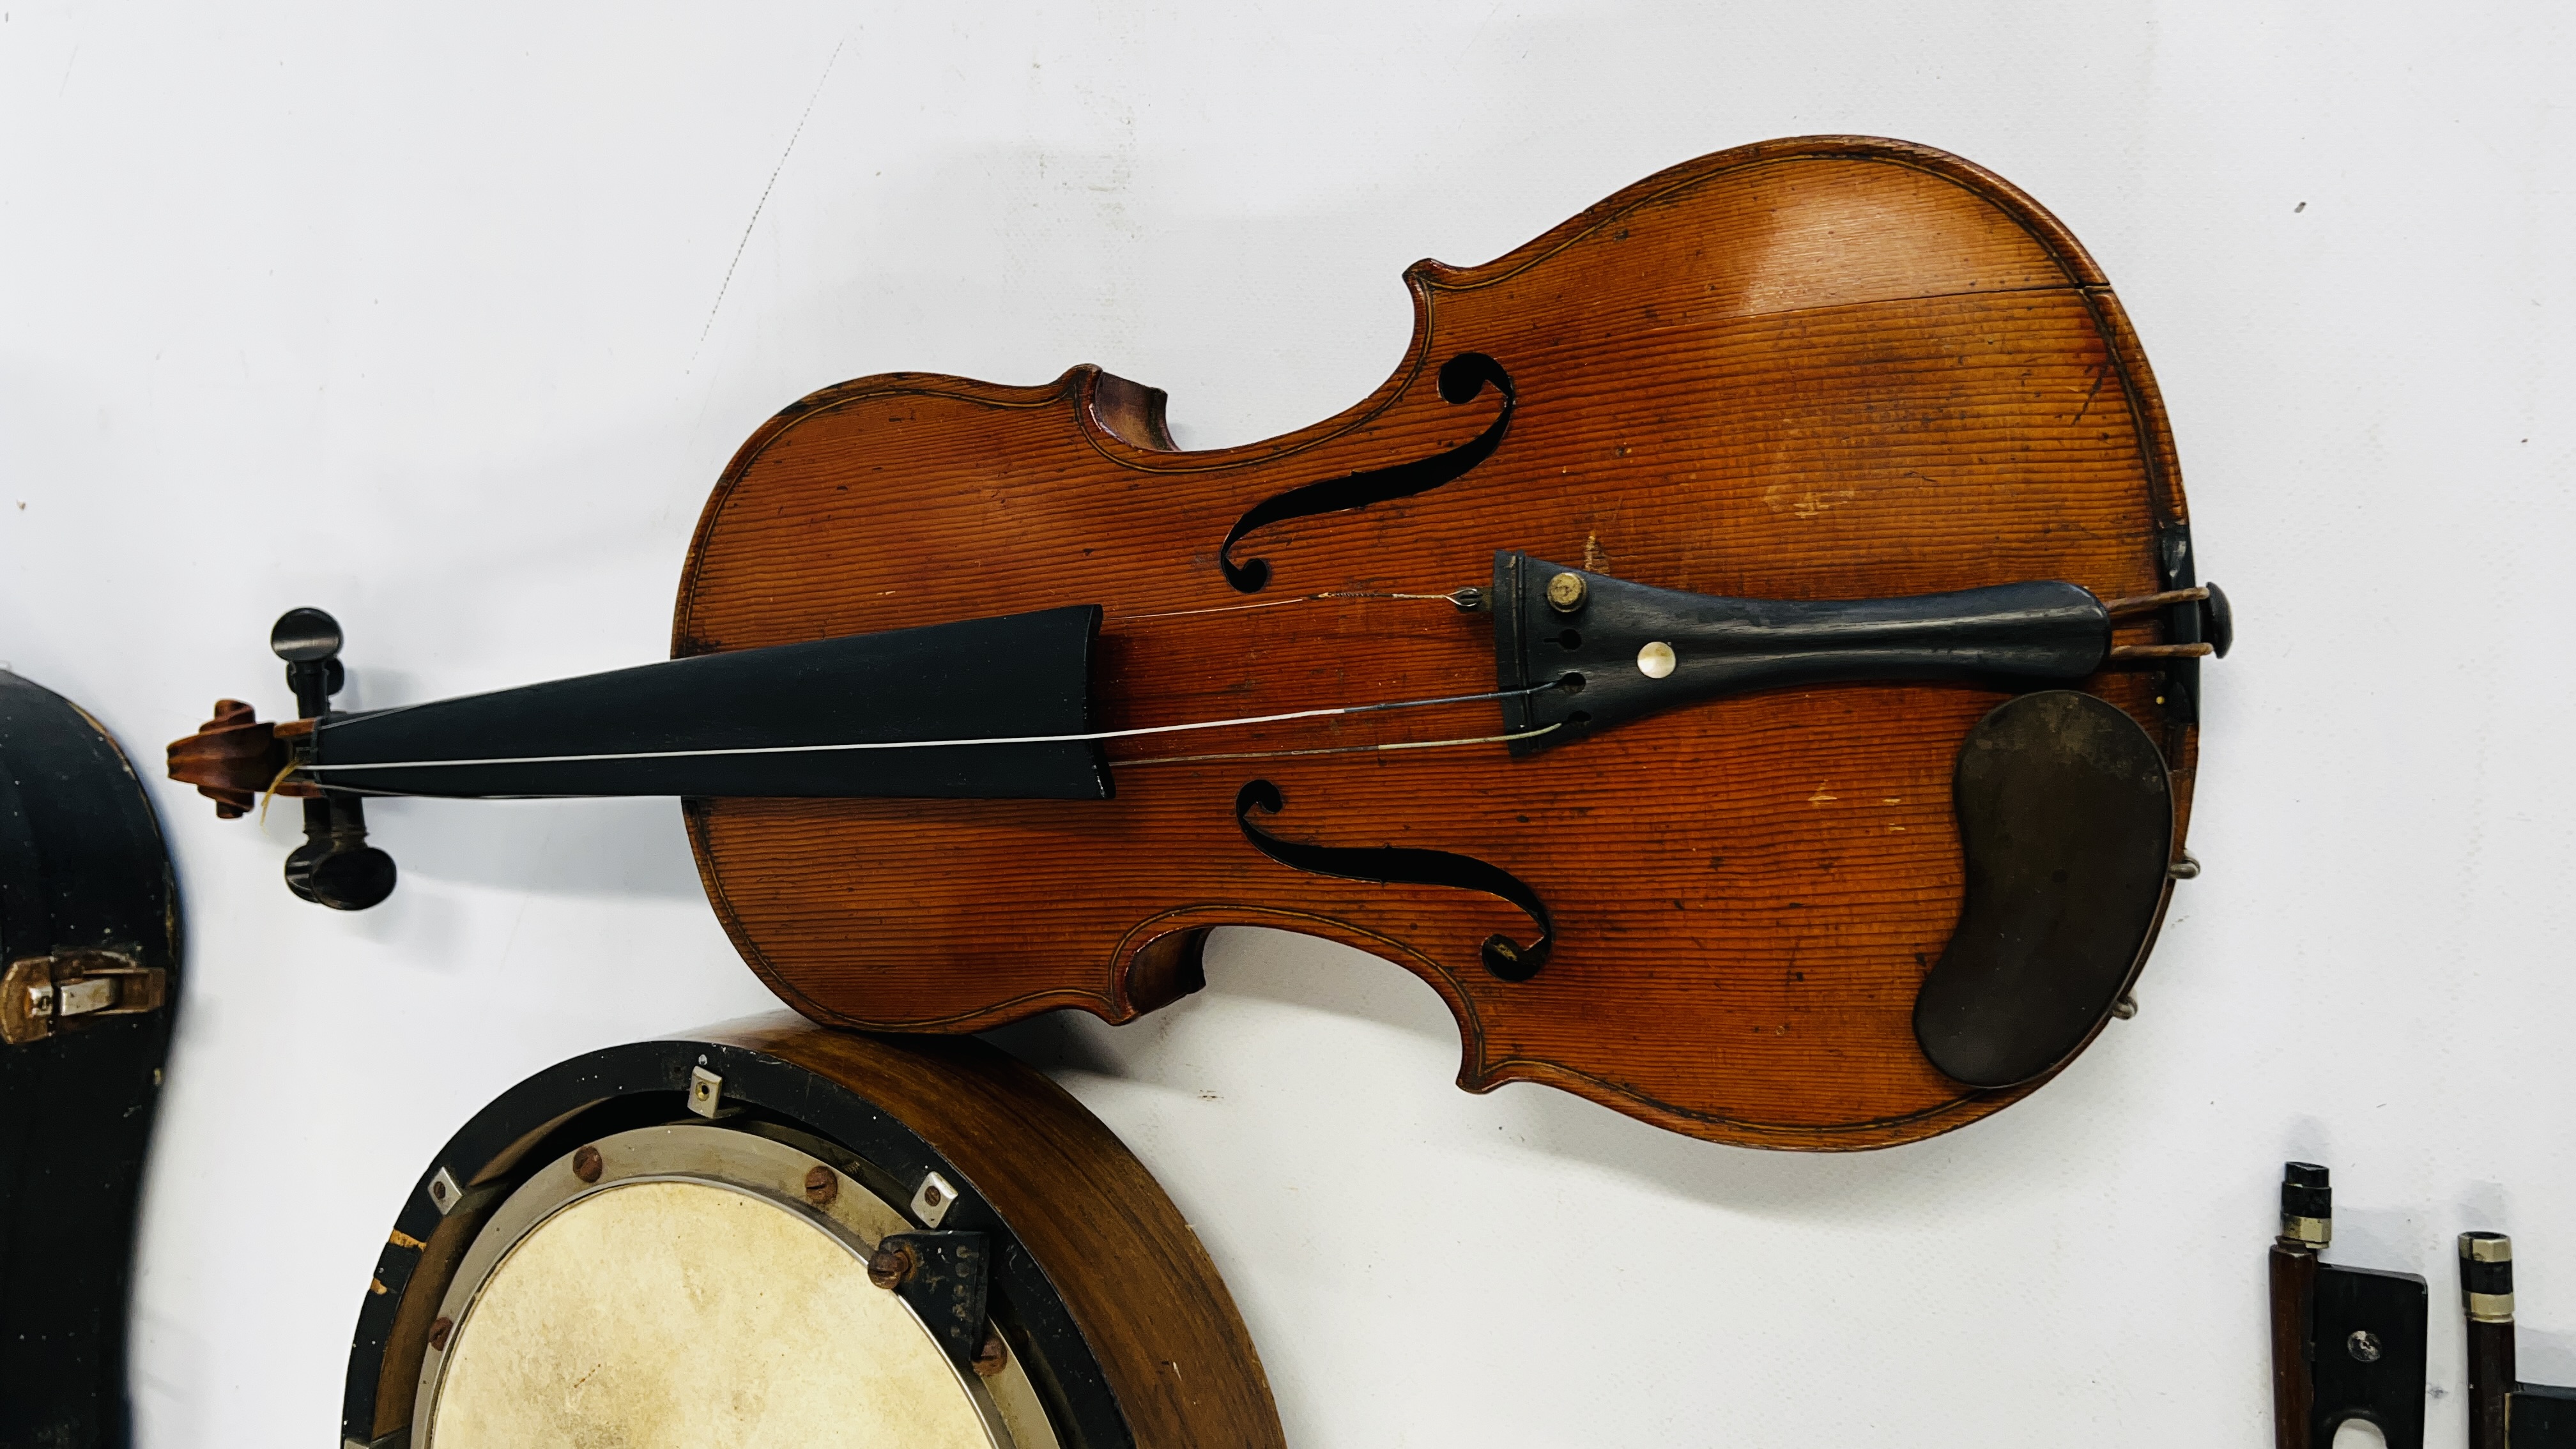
(2066, 820)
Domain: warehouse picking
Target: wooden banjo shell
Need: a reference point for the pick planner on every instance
(1118, 1329)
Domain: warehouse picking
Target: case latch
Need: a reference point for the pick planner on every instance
(41, 995)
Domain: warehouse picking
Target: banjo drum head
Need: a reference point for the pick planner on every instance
(686, 1305)
(671, 1244)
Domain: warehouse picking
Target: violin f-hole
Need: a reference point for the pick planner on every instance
(1461, 379)
(1403, 865)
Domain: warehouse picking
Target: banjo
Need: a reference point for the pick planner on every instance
(770, 1233)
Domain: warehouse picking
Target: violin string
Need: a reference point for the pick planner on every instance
(1449, 598)
(1464, 600)
(271, 792)
(1336, 749)
(1069, 739)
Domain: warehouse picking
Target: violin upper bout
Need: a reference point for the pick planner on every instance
(2066, 819)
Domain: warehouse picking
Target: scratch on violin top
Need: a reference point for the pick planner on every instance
(792, 137)
(2100, 371)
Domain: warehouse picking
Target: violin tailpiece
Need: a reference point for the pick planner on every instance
(1626, 650)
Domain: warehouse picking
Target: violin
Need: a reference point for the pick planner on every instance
(1746, 659)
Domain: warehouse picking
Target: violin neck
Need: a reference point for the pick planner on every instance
(745, 723)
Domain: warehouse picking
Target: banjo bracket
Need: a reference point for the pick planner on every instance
(945, 1278)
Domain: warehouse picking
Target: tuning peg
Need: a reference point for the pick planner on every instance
(304, 636)
(2217, 621)
(335, 866)
(309, 641)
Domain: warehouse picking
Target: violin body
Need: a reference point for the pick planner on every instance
(1818, 369)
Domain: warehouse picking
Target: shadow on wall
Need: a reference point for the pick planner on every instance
(2014, 1154)
(2544, 1358)
(1061, 255)
(2017, 1154)
(621, 848)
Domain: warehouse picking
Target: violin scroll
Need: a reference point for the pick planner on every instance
(232, 758)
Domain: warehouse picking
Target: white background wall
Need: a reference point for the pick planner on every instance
(445, 319)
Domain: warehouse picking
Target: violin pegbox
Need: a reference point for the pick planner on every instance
(235, 757)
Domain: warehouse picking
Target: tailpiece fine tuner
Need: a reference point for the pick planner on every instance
(1757, 684)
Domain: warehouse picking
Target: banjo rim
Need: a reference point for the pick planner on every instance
(1098, 1284)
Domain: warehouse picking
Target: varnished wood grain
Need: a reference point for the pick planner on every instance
(1809, 369)
(1149, 1302)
